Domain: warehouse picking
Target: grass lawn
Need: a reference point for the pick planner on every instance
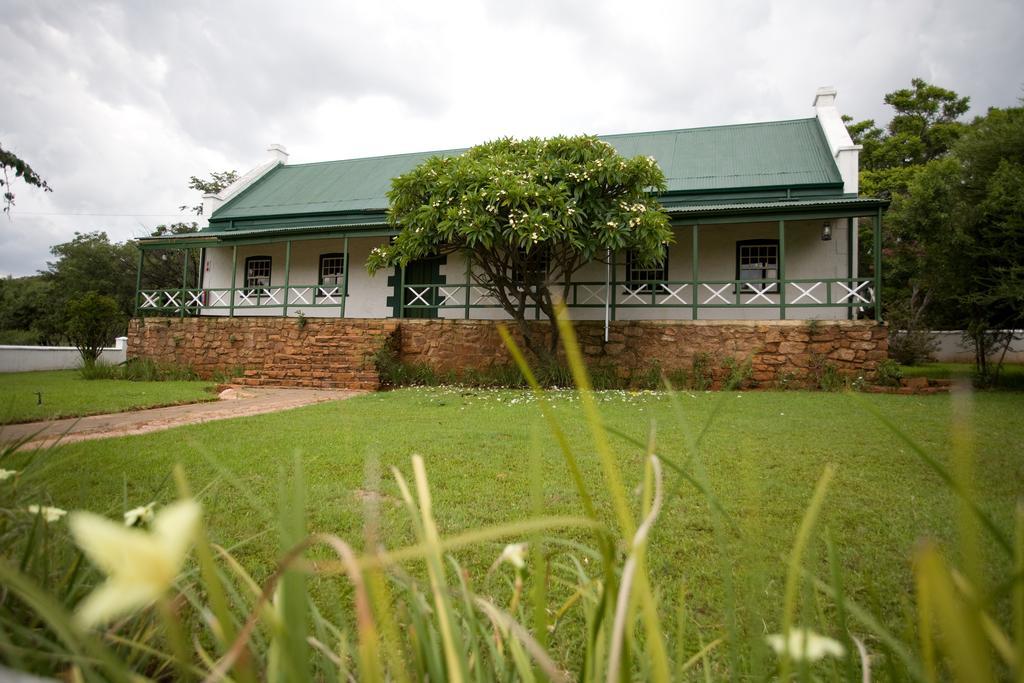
(763, 453)
(66, 394)
(1011, 377)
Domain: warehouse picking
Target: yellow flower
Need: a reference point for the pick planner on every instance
(143, 514)
(50, 514)
(805, 644)
(140, 566)
(7, 474)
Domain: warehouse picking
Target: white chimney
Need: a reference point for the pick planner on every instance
(278, 153)
(841, 145)
(211, 202)
(825, 97)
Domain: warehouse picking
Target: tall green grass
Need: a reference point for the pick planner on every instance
(569, 598)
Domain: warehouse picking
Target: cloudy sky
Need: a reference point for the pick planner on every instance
(117, 104)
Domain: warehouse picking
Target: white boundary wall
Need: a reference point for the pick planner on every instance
(952, 349)
(31, 358)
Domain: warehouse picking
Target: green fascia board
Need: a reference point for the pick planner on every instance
(757, 156)
(223, 227)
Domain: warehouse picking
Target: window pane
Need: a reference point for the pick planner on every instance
(257, 272)
(638, 273)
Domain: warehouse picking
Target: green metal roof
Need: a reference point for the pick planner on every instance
(777, 154)
(685, 209)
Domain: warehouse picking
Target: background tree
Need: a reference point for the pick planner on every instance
(966, 212)
(529, 214)
(216, 183)
(24, 303)
(923, 128)
(92, 263)
(94, 320)
(9, 161)
(163, 268)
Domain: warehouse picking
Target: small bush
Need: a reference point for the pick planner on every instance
(910, 340)
(786, 380)
(94, 370)
(678, 378)
(912, 347)
(649, 378)
(888, 373)
(225, 376)
(140, 370)
(93, 322)
(554, 374)
(394, 372)
(739, 372)
(702, 375)
(825, 375)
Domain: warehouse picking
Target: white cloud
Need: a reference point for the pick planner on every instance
(116, 105)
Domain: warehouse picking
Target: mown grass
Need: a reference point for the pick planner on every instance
(763, 453)
(1011, 376)
(66, 394)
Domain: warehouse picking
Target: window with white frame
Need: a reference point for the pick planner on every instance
(257, 276)
(332, 275)
(640, 277)
(758, 260)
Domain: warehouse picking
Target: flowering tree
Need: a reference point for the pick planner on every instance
(528, 214)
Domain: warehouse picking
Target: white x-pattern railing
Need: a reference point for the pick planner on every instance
(806, 292)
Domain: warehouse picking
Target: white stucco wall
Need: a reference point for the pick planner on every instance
(33, 358)
(367, 295)
(807, 256)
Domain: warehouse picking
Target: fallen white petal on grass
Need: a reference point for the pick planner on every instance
(143, 513)
(50, 514)
(805, 644)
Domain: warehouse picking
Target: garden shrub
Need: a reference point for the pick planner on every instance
(824, 374)
(678, 378)
(141, 370)
(651, 378)
(738, 373)
(605, 377)
(100, 371)
(93, 322)
(702, 375)
(888, 373)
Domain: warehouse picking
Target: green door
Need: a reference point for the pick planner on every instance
(425, 271)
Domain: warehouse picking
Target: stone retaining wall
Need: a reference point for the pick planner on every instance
(779, 351)
(333, 352)
(324, 352)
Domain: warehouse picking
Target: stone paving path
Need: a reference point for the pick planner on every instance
(235, 402)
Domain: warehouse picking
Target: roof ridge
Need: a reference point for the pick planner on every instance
(381, 156)
(719, 126)
(602, 136)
